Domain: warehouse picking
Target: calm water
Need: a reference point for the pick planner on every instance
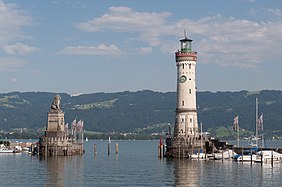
(136, 165)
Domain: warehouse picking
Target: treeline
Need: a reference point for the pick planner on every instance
(127, 111)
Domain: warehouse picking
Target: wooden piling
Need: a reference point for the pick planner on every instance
(108, 149)
(242, 155)
(222, 155)
(271, 157)
(160, 150)
(261, 159)
(95, 149)
(251, 156)
(116, 148)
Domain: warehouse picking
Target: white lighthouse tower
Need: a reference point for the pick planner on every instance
(186, 124)
(186, 138)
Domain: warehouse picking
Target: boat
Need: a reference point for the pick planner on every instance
(268, 156)
(247, 158)
(199, 156)
(226, 154)
(6, 150)
(86, 139)
(246, 155)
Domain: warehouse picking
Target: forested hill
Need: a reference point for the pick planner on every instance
(126, 111)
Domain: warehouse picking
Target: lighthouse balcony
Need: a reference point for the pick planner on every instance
(191, 53)
(190, 56)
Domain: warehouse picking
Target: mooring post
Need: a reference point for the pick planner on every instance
(46, 149)
(222, 155)
(108, 149)
(95, 149)
(116, 148)
(271, 157)
(242, 155)
(261, 159)
(160, 150)
(251, 156)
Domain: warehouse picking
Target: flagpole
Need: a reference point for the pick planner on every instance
(262, 136)
(238, 139)
(257, 122)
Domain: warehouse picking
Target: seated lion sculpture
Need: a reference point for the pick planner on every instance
(56, 103)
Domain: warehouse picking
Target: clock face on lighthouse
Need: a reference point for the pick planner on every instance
(182, 79)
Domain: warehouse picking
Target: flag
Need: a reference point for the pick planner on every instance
(260, 123)
(79, 126)
(236, 123)
(73, 124)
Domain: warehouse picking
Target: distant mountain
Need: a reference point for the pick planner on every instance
(128, 111)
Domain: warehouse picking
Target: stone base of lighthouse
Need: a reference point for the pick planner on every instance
(184, 147)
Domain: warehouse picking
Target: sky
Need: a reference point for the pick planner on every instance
(89, 46)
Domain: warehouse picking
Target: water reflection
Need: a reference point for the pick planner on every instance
(227, 173)
(64, 171)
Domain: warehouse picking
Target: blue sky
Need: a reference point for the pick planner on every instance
(109, 46)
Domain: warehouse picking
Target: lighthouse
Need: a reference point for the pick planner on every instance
(186, 123)
(186, 135)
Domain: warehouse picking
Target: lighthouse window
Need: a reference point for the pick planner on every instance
(182, 66)
(190, 91)
(182, 103)
(189, 66)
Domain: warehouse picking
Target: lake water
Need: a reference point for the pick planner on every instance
(136, 164)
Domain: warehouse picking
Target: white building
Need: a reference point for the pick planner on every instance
(186, 124)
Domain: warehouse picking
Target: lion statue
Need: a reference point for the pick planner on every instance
(56, 103)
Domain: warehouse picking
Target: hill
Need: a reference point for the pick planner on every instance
(131, 111)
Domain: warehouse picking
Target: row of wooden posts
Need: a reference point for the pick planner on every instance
(109, 150)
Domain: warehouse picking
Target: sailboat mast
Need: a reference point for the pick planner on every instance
(257, 121)
(201, 136)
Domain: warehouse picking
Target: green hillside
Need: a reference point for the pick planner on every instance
(134, 111)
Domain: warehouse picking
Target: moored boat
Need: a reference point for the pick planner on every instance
(6, 150)
(226, 154)
(198, 156)
(268, 156)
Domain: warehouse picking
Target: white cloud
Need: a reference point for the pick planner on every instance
(101, 49)
(145, 50)
(19, 48)
(225, 41)
(14, 80)
(124, 19)
(12, 20)
(11, 64)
